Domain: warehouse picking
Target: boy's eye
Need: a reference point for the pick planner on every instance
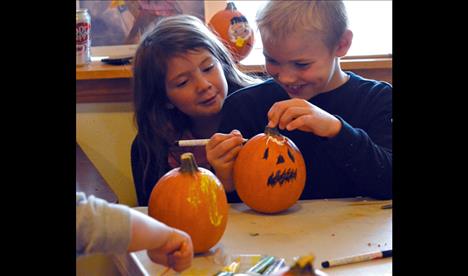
(271, 61)
(302, 65)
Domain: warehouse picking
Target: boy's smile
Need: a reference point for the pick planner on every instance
(303, 65)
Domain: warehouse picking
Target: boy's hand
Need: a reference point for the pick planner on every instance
(300, 114)
(176, 253)
(221, 153)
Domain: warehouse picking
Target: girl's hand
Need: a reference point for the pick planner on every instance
(300, 114)
(176, 252)
(221, 153)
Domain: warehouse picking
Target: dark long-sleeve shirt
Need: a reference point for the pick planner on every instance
(356, 162)
(144, 187)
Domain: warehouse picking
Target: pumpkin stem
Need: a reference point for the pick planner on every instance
(188, 163)
(272, 131)
(231, 7)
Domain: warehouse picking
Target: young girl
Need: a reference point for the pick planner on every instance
(182, 75)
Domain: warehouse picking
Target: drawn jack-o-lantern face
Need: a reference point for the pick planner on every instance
(285, 169)
(269, 172)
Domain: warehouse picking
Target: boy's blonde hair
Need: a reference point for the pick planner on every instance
(279, 19)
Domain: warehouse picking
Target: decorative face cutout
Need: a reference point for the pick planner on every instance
(239, 31)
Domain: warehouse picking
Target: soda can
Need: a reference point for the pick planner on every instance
(83, 39)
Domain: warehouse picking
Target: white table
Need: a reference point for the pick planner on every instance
(329, 229)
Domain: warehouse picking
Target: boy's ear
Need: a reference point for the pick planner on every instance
(344, 44)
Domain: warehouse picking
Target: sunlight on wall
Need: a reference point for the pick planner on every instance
(370, 21)
(105, 132)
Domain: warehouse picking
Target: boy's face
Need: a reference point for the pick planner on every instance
(303, 66)
(195, 83)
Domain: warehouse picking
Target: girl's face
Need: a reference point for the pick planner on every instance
(304, 67)
(195, 83)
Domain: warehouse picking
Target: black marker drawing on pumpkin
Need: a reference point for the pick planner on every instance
(286, 175)
(280, 159)
(265, 154)
(291, 156)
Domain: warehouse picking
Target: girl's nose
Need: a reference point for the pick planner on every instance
(203, 84)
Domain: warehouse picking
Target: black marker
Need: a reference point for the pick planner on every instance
(117, 60)
(358, 258)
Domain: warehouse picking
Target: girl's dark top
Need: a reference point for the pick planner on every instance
(143, 190)
(356, 162)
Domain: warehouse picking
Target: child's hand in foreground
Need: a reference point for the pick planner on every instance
(176, 252)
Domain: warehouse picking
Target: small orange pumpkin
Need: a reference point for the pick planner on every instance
(234, 30)
(269, 172)
(192, 199)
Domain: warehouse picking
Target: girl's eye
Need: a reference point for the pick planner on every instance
(208, 68)
(182, 83)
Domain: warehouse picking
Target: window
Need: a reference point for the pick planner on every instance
(370, 21)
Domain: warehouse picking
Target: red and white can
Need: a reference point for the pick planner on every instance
(83, 39)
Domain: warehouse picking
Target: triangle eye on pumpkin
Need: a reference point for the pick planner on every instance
(291, 156)
(265, 154)
(280, 159)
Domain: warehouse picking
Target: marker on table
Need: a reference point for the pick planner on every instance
(263, 264)
(276, 265)
(194, 142)
(358, 258)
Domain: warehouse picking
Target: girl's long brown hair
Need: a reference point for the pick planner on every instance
(158, 126)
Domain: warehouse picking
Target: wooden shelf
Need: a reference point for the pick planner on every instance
(99, 82)
(98, 70)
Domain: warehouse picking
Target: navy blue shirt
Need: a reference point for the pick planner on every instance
(356, 162)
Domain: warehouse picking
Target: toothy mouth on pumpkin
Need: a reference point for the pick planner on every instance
(281, 177)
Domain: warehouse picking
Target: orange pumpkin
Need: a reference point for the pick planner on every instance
(234, 30)
(192, 199)
(269, 172)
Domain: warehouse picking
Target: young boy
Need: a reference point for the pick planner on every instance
(102, 227)
(341, 122)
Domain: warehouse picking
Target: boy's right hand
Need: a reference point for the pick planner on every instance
(221, 153)
(176, 253)
(299, 114)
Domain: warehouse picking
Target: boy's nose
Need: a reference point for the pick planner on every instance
(286, 76)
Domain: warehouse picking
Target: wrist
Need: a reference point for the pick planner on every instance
(226, 181)
(335, 128)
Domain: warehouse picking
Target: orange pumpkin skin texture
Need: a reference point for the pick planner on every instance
(191, 199)
(234, 31)
(269, 172)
